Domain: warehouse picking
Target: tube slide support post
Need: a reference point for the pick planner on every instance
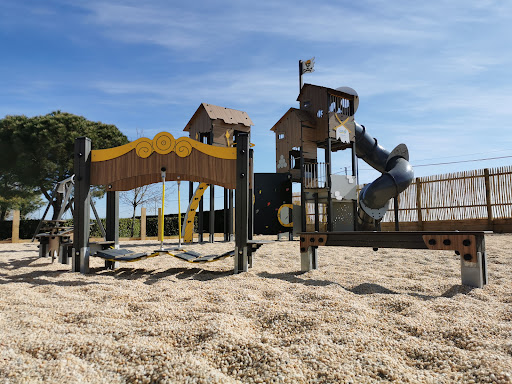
(242, 203)
(308, 259)
(82, 211)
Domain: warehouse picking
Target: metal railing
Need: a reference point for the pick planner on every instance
(315, 175)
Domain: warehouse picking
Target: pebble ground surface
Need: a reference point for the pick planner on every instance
(398, 316)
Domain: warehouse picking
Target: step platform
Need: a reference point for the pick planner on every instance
(120, 255)
(194, 257)
(125, 255)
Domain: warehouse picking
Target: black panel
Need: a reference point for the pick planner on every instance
(271, 190)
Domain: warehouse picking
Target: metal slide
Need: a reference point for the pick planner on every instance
(397, 175)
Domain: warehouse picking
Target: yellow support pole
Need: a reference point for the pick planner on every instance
(179, 215)
(162, 211)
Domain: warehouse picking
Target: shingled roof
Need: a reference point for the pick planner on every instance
(229, 116)
(302, 115)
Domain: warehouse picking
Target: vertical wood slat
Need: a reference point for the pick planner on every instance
(418, 203)
(488, 197)
(15, 237)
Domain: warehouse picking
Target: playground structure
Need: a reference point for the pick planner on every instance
(216, 126)
(142, 162)
(325, 121)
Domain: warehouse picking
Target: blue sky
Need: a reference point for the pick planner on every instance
(434, 75)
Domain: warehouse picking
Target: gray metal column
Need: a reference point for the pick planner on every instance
(242, 202)
(356, 178)
(82, 212)
(328, 168)
(475, 274)
(230, 215)
(226, 215)
(303, 213)
(112, 221)
(308, 259)
(212, 200)
(200, 220)
(212, 213)
(112, 230)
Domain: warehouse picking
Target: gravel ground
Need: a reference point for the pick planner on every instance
(363, 316)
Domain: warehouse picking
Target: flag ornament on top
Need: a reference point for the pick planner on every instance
(308, 66)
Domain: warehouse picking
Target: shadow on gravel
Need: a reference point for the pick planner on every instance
(292, 277)
(456, 289)
(21, 263)
(40, 278)
(152, 277)
(369, 289)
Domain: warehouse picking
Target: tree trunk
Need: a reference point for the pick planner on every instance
(133, 221)
(3, 211)
(57, 205)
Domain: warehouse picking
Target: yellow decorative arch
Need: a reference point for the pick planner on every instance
(163, 143)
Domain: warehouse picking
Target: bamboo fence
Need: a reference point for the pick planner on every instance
(477, 194)
(478, 200)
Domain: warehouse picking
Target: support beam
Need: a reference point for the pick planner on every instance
(212, 199)
(308, 259)
(242, 203)
(226, 215)
(211, 224)
(328, 170)
(112, 221)
(470, 245)
(82, 212)
(230, 216)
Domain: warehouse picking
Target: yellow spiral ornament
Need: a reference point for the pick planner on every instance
(163, 143)
(183, 147)
(144, 148)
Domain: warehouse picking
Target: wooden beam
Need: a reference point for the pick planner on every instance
(15, 237)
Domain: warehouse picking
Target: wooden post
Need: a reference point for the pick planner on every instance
(160, 237)
(490, 217)
(15, 237)
(143, 223)
(82, 211)
(418, 203)
(395, 209)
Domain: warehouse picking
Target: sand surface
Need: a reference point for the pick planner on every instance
(363, 316)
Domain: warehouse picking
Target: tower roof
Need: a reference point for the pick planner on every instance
(228, 115)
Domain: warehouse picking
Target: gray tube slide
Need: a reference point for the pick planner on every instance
(397, 175)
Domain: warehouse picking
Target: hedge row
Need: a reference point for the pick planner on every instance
(28, 227)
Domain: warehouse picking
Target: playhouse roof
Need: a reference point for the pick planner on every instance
(229, 116)
(334, 92)
(299, 113)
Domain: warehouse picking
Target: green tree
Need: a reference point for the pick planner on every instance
(36, 152)
(16, 196)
